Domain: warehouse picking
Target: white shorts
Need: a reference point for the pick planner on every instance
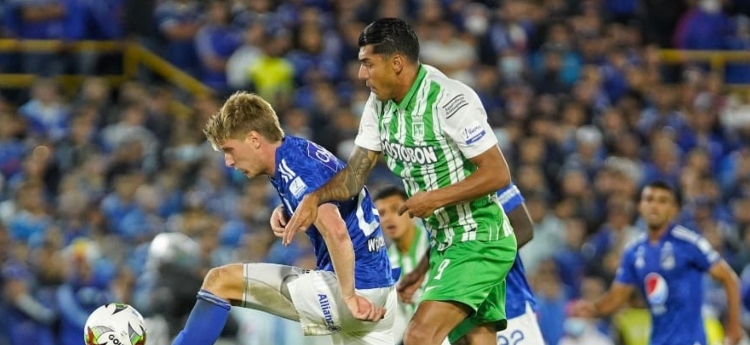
(313, 298)
(522, 330)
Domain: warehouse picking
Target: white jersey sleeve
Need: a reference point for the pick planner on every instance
(368, 136)
(464, 120)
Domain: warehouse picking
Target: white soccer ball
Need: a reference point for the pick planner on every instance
(115, 324)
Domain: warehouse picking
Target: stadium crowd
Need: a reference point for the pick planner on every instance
(585, 109)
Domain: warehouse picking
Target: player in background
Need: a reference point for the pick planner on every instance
(353, 282)
(520, 305)
(667, 265)
(410, 242)
(434, 134)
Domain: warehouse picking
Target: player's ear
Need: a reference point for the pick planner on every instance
(397, 63)
(253, 137)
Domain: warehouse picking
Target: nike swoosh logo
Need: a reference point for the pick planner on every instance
(430, 288)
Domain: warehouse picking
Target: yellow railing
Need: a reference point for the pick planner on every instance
(134, 56)
(718, 60)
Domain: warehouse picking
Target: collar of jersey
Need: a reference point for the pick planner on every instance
(413, 89)
(666, 234)
(276, 177)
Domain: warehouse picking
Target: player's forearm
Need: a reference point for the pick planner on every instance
(613, 299)
(342, 258)
(350, 181)
(424, 264)
(482, 182)
(523, 226)
(607, 305)
(732, 288)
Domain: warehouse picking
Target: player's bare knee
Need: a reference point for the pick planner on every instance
(224, 282)
(420, 332)
(462, 341)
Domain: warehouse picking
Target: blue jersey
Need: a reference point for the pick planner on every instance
(669, 275)
(745, 287)
(302, 167)
(518, 292)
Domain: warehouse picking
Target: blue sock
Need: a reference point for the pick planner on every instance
(206, 321)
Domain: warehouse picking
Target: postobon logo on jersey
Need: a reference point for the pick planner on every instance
(416, 154)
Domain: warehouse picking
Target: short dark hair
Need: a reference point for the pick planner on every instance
(663, 185)
(390, 191)
(390, 36)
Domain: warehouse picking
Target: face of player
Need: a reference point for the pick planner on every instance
(658, 207)
(393, 225)
(379, 72)
(244, 155)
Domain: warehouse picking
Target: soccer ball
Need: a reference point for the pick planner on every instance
(115, 324)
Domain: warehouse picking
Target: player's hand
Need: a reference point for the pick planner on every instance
(582, 308)
(362, 309)
(419, 205)
(278, 221)
(305, 214)
(733, 335)
(408, 285)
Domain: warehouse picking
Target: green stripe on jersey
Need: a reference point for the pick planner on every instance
(409, 261)
(418, 151)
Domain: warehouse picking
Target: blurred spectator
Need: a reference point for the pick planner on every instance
(311, 62)
(272, 75)
(46, 113)
(551, 300)
(547, 234)
(86, 288)
(448, 51)
(30, 314)
(238, 65)
(569, 259)
(704, 27)
(215, 43)
(179, 22)
(580, 331)
(12, 150)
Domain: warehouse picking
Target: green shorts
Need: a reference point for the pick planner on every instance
(472, 273)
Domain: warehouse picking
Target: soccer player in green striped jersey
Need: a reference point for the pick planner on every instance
(409, 243)
(434, 134)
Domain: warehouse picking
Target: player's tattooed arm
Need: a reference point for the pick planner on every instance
(350, 181)
(343, 186)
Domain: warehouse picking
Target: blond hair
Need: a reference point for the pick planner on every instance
(242, 113)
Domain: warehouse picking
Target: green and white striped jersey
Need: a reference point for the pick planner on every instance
(427, 140)
(408, 262)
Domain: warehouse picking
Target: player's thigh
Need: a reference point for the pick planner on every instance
(522, 330)
(472, 274)
(265, 287)
(480, 335)
(317, 298)
(435, 320)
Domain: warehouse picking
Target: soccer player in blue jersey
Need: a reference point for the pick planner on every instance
(523, 327)
(347, 296)
(667, 266)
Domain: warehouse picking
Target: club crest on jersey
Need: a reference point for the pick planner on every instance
(417, 130)
(640, 262)
(657, 292)
(667, 257)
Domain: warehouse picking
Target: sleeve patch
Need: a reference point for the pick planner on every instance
(473, 132)
(454, 105)
(297, 187)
